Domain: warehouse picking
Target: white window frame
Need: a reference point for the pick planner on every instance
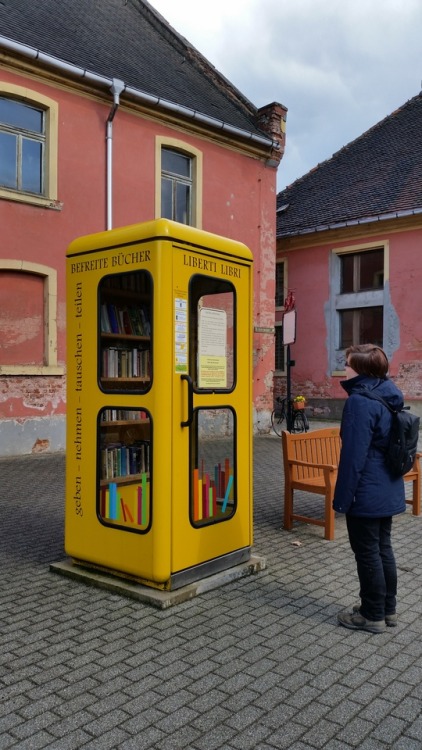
(174, 144)
(50, 107)
(354, 300)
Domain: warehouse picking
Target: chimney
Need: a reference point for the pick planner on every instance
(271, 119)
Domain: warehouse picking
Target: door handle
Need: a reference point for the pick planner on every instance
(188, 422)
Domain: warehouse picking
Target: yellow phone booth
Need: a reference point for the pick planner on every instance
(159, 411)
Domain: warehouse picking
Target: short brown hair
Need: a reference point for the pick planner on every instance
(368, 359)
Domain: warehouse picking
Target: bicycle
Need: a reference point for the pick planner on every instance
(299, 420)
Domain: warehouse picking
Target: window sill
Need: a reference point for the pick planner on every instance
(32, 370)
(33, 200)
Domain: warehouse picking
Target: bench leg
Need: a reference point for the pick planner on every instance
(288, 508)
(329, 517)
(416, 495)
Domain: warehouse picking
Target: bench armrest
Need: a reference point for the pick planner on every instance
(311, 465)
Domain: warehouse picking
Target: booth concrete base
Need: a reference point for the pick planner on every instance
(158, 598)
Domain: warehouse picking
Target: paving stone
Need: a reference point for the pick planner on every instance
(207, 720)
(112, 739)
(9, 722)
(72, 741)
(389, 729)
(215, 738)
(318, 735)
(287, 736)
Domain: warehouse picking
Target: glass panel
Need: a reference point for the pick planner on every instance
(166, 199)
(371, 270)
(124, 461)
(182, 212)
(371, 326)
(19, 115)
(175, 163)
(279, 285)
(213, 492)
(347, 266)
(125, 352)
(212, 333)
(361, 326)
(31, 166)
(8, 160)
(176, 186)
(346, 329)
(362, 271)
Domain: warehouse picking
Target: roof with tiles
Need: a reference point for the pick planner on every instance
(375, 176)
(128, 40)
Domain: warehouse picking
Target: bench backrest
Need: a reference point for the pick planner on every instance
(316, 447)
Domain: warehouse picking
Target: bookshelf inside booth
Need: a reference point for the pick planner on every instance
(124, 486)
(124, 434)
(125, 332)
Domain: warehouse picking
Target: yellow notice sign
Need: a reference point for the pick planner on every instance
(212, 372)
(212, 348)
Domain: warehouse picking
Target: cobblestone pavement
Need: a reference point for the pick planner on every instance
(258, 664)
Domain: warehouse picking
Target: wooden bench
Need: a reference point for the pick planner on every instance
(310, 465)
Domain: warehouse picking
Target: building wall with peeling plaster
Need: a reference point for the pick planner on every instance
(317, 373)
(239, 198)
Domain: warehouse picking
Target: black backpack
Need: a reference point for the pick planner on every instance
(403, 439)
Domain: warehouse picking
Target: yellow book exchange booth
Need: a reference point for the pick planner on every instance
(159, 410)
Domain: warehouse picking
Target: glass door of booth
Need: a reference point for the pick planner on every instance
(211, 418)
(213, 378)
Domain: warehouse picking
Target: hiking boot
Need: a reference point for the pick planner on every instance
(390, 620)
(355, 621)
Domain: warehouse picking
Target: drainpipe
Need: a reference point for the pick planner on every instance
(116, 89)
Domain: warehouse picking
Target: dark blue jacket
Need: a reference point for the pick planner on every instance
(364, 485)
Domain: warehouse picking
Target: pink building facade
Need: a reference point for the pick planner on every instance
(103, 169)
(313, 271)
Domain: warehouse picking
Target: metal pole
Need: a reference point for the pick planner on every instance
(289, 393)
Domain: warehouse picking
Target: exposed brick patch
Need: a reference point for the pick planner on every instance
(41, 446)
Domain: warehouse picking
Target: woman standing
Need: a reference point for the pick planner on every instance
(366, 491)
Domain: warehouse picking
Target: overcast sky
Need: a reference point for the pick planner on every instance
(339, 66)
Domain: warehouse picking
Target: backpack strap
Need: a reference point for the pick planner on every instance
(370, 394)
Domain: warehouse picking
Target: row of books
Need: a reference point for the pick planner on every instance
(127, 504)
(123, 415)
(121, 362)
(133, 321)
(139, 281)
(119, 460)
(213, 490)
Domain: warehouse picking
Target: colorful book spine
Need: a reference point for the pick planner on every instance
(113, 512)
(145, 499)
(227, 495)
(211, 490)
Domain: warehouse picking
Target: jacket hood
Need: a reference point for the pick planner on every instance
(382, 387)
